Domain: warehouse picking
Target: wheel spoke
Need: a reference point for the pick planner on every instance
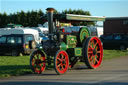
(90, 57)
(40, 56)
(64, 64)
(40, 65)
(95, 45)
(91, 61)
(92, 43)
(36, 66)
(43, 61)
(60, 60)
(37, 56)
(58, 65)
(94, 60)
(90, 52)
(37, 70)
(34, 57)
(62, 68)
(97, 60)
(62, 56)
(33, 62)
(98, 52)
(90, 46)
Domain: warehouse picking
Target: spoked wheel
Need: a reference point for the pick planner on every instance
(93, 52)
(61, 62)
(38, 61)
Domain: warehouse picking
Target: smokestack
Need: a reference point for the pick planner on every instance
(50, 19)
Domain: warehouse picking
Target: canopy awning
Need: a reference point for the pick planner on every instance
(73, 17)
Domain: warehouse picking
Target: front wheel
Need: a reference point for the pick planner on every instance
(61, 62)
(38, 61)
(93, 52)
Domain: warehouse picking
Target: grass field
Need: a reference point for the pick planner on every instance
(19, 65)
(13, 66)
(108, 54)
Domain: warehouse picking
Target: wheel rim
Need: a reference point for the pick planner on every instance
(95, 52)
(62, 62)
(38, 62)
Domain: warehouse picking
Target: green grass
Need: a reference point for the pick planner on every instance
(13, 66)
(19, 65)
(109, 54)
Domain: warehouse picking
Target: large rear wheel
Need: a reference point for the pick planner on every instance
(38, 61)
(61, 62)
(93, 52)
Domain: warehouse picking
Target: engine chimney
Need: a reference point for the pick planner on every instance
(50, 19)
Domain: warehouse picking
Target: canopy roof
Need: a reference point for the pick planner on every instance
(73, 17)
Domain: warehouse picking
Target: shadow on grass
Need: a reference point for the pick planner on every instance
(14, 70)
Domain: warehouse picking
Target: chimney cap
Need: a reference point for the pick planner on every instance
(50, 9)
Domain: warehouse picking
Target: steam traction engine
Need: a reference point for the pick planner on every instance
(65, 49)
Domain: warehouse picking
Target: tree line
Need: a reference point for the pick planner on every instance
(33, 18)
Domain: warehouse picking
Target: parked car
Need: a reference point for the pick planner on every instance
(115, 42)
(17, 44)
(19, 41)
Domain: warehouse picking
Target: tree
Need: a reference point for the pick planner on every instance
(4, 19)
(33, 18)
(79, 12)
(0, 20)
(40, 16)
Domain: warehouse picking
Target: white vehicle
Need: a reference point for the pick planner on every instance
(43, 28)
(18, 41)
(17, 31)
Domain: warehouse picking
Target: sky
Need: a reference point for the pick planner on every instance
(108, 8)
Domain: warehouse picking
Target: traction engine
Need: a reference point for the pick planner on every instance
(63, 50)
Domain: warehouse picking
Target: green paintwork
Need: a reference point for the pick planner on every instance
(43, 52)
(71, 41)
(84, 18)
(63, 46)
(78, 51)
(84, 33)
